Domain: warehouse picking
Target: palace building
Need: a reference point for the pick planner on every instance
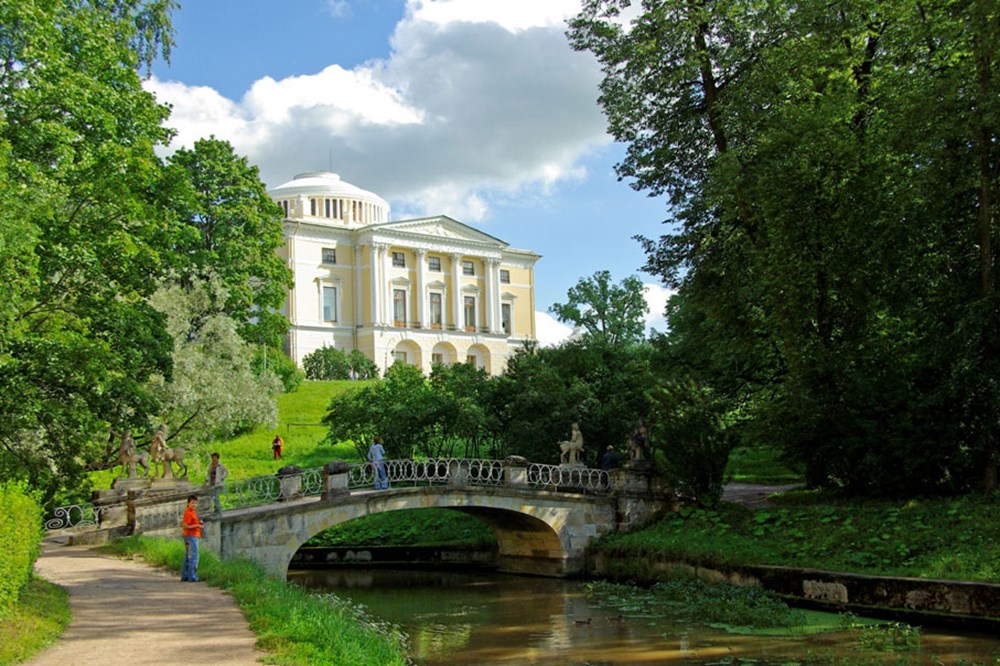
(419, 291)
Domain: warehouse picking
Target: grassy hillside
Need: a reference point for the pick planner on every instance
(299, 424)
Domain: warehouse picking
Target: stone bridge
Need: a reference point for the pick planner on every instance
(544, 516)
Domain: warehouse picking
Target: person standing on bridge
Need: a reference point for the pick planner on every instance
(376, 456)
(216, 478)
(191, 527)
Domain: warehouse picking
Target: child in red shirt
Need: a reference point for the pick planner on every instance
(191, 533)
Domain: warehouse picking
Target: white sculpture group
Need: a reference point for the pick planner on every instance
(130, 457)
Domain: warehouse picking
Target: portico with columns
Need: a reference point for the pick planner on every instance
(418, 291)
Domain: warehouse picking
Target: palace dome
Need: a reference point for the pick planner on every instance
(320, 185)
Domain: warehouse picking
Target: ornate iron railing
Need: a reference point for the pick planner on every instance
(400, 473)
(75, 517)
(555, 476)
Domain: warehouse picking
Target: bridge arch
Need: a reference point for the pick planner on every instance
(538, 533)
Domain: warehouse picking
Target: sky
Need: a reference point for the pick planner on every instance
(475, 109)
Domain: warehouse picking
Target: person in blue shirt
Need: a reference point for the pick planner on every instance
(376, 456)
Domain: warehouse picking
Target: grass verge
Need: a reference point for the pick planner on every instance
(293, 626)
(35, 623)
(942, 538)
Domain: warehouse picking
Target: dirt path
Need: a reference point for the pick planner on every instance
(128, 613)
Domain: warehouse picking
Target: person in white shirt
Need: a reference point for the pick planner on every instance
(216, 478)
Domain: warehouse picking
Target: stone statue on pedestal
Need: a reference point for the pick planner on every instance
(570, 450)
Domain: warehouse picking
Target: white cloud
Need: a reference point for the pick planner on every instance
(656, 298)
(479, 101)
(549, 331)
(513, 15)
(338, 8)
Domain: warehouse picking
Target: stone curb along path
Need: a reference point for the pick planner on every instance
(125, 612)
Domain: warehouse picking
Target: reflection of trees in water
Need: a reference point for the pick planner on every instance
(455, 617)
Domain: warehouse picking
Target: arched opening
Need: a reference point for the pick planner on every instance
(523, 543)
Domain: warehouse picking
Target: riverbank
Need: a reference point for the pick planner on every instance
(281, 623)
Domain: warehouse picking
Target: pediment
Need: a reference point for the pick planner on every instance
(440, 227)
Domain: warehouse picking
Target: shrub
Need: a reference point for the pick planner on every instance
(332, 363)
(20, 536)
(281, 366)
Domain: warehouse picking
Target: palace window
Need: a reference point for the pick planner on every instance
(437, 359)
(312, 207)
(329, 303)
(436, 310)
(399, 307)
(470, 313)
(399, 260)
(505, 317)
(468, 268)
(504, 276)
(434, 264)
(329, 255)
(399, 357)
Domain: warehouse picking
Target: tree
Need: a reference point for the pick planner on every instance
(80, 231)
(232, 228)
(607, 312)
(826, 201)
(213, 392)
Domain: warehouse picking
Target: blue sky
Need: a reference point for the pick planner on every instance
(476, 109)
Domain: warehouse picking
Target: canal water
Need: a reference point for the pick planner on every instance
(458, 618)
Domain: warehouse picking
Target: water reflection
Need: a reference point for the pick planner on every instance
(487, 620)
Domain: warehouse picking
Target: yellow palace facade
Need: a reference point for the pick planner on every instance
(418, 291)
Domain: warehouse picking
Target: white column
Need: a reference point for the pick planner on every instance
(375, 291)
(358, 312)
(419, 296)
(490, 295)
(384, 287)
(456, 292)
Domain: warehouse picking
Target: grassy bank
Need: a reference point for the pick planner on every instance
(294, 627)
(928, 538)
(36, 622)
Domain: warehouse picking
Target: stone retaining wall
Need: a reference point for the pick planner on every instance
(917, 600)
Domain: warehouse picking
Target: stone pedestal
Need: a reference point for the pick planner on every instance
(515, 471)
(110, 507)
(126, 484)
(335, 478)
(290, 480)
(458, 473)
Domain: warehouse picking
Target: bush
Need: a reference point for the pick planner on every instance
(281, 366)
(687, 428)
(20, 537)
(332, 363)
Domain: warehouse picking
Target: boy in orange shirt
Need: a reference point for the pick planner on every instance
(191, 533)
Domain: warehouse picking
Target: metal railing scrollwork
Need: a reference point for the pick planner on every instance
(545, 476)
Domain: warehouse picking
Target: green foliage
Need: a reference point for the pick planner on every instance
(927, 538)
(687, 424)
(889, 637)
(20, 539)
(609, 313)
(213, 391)
(35, 623)
(333, 363)
(692, 600)
(231, 227)
(418, 527)
(80, 230)
(292, 625)
(833, 178)
(273, 360)
(760, 464)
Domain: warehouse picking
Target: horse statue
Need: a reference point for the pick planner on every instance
(130, 457)
(570, 450)
(160, 453)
